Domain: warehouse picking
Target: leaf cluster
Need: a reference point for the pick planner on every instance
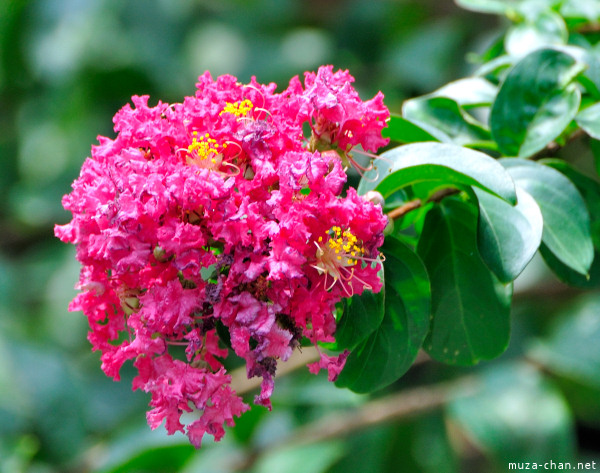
(479, 179)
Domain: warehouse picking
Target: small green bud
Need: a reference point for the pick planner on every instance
(160, 255)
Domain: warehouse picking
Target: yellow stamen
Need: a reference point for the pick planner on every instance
(338, 252)
(239, 109)
(204, 147)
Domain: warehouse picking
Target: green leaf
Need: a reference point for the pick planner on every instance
(392, 348)
(589, 120)
(546, 28)
(471, 308)
(445, 163)
(489, 6)
(568, 275)
(404, 131)
(499, 416)
(508, 237)
(362, 316)
(444, 114)
(468, 92)
(590, 191)
(566, 218)
(571, 349)
(588, 188)
(496, 69)
(591, 76)
(160, 459)
(535, 102)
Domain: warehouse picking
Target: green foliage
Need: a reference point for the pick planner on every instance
(469, 187)
(589, 120)
(536, 102)
(437, 164)
(470, 307)
(479, 226)
(388, 352)
(570, 349)
(508, 237)
(566, 219)
(445, 120)
(362, 317)
(499, 415)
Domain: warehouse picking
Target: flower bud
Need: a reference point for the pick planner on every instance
(160, 255)
(389, 228)
(375, 197)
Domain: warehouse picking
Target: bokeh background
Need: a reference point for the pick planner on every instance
(66, 66)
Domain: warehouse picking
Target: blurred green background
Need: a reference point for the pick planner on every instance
(66, 66)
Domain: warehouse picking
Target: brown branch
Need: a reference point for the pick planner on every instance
(442, 194)
(553, 147)
(299, 359)
(392, 408)
(396, 407)
(588, 28)
(417, 203)
(404, 209)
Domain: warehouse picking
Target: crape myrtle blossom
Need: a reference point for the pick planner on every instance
(212, 227)
(339, 119)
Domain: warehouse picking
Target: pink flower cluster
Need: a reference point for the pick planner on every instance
(214, 226)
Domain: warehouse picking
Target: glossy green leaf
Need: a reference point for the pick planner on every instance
(508, 236)
(591, 76)
(566, 218)
(589, 120)
(497, 68)
(409, 227)
(542, 30)
(404, 131)
(471, 308)
(571, 348)
(362, 316)
(446, 115)
(570, 276)
(501, 418)
(393, 347)
(535, 102)
(590, 191)
(588, 188)
(468, 92)
(446, 163)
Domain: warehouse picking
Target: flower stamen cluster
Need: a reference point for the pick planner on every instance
(204, 148)
(239, 109)
(337, 257)
(211, 225)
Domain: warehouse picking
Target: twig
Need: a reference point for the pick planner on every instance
(404, 209)
(417, 203)
(588, 28)
(398, 406)
(392, 408)
(553, 147)
(299, 359)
